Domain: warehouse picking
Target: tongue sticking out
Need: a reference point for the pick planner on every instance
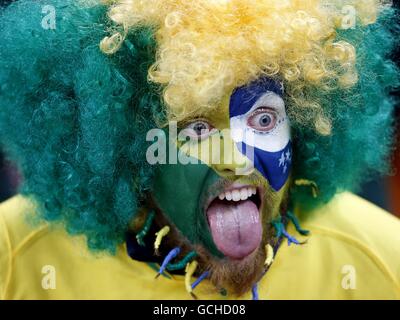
(235, 227)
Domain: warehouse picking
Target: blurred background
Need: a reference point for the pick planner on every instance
(384, 192)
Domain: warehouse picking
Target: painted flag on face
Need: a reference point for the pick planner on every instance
(259, 123)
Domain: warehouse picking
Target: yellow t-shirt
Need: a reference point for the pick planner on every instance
(353, 253)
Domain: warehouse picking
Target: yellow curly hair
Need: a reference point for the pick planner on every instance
(206, 48)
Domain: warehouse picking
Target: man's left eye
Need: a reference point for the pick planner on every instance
(263, 119)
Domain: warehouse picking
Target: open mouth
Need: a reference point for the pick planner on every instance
(235, 220)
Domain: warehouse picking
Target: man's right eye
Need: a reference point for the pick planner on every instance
(200, 129)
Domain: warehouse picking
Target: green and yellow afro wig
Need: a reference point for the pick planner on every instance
(77, 99)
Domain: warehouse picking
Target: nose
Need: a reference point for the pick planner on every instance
(231, 162)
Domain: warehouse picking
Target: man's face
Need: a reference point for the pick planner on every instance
(223, 200)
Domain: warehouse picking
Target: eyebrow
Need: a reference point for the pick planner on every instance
(243, 98)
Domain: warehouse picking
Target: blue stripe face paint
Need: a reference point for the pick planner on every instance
(259, 122)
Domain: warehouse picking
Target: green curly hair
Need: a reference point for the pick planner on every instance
(75, 119)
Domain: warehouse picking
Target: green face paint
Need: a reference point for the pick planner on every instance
(180, 190)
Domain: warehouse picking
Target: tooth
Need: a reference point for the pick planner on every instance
(254, 191)
(228, 195)
(222, 196)
(243, 194)
(236, 195)
(249, 192)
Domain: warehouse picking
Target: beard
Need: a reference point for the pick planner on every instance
(236, 276)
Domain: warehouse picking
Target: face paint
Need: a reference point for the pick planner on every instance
(184, 193)
(258, 120)
(179, 191)
(188, 194)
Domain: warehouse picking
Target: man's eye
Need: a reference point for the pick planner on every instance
(200, 129)
(263, 119)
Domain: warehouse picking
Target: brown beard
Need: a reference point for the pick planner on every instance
(237, 277)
